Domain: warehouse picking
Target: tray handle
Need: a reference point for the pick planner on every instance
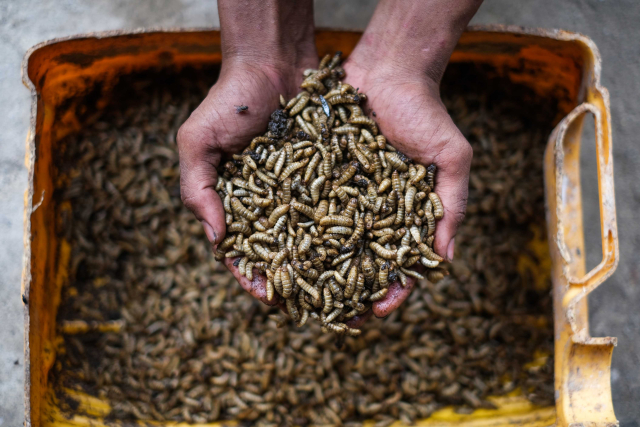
(567, 159)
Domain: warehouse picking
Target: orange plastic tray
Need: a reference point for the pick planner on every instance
(558, 64)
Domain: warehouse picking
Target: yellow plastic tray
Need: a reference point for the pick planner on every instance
(558, 64)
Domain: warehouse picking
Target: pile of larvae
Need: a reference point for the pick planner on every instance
(325, 208)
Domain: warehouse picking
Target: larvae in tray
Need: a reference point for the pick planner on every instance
(154, 327)
(331, 200)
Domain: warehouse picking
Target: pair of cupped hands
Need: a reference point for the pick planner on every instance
(409, 112)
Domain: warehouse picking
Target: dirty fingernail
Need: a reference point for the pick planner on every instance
(208, 230)
(450, 249)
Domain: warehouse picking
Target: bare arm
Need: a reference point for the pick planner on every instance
(414, 36)
(278, 33)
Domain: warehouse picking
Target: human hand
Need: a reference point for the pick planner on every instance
(400, 72)
(411, 115)
(216, 129)
(414, 120)
(265, 47)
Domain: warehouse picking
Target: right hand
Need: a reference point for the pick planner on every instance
(214, 129)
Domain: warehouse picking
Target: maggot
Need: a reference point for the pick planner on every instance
(438, 210)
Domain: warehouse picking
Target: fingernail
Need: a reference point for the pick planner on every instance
(208, 230)
(450, 249)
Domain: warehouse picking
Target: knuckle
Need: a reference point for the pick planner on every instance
(456, 153)
(187, 197)
(191, 133)
(461, 152)
(466, 151)
(184, 133)
(189, 202)
(458, 211)
(466, 154)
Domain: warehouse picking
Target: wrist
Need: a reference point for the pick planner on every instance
(273, 51)
(414, 37)
(277, 34)
(282, 63)
(274, 73)
(380, 64)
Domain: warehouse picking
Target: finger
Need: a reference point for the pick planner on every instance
(396, 295)
(452, 186)
(257, 287)
(198, 179)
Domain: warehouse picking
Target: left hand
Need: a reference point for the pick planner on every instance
(411, 115)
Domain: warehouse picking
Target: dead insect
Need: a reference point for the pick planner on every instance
(325, 106)
(241, 109)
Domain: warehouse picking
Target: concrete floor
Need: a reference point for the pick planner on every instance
(613, 25)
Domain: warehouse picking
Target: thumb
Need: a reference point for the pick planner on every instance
(198, 179)
(452, 185)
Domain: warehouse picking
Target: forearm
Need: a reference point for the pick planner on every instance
(278, 33)
(415, 34)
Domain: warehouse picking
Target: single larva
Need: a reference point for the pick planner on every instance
(429, 263)
(251, 186)
(328, 300)
(308, 288)
(336, 220)
(350, 209)
(270, 285)
(428, 252)
(262, 238)
(292, 168)
(266, 178)
(313, 164)
(376, 296)
(359, 288)
(431, 219)
(366, 121)
(347, 174)
(438, 210)
(299, 104)
(434, 276)
(243, 212)
(237, 227)
(315, 187)
(302, 208)
(279, 258)
(305, 244)
(287, 285)
(345, 99)
(358, 231)
(277, 281)
(321, 212)
(410, 194)
(277, 213)
(396, 161)
(431, 173)
(281, 160)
